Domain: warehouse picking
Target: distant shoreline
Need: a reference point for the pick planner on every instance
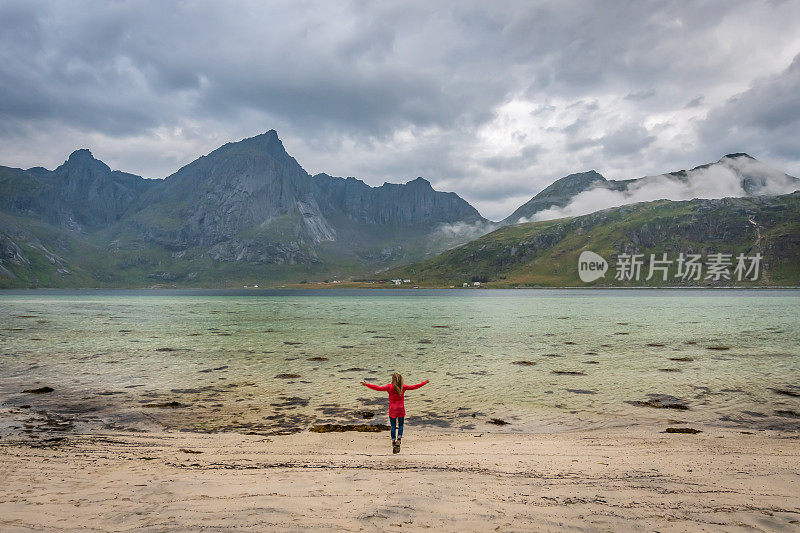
(388, 289)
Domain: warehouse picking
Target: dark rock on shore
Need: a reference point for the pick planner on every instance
(523, 363)
(40, 390)
(690, 431)
(497, 422)
(207, 370)
(660, 402)
(164, 405)
(290, 402)
(341, 428)
(287, 376)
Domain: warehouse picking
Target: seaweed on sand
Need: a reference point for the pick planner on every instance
(165, 405)
(40, 390)
(341, 428)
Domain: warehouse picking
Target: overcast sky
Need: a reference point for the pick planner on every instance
(492, 100)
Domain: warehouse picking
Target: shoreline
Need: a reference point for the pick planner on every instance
(625, 479)
(240, 291)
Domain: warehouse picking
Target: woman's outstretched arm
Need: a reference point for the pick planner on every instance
(376, 387)
(418, 385)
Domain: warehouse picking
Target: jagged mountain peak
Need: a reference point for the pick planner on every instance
(576, 179)
(81, 154)
(416, 183)
(420, 181)
(83, 159)
(558, 193)
(267, 141)
(738, 155)
(248, 164)
(264, 143)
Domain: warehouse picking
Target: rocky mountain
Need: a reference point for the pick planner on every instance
(246, 211)
(558, 194)
(735, 175)
(546, 253)
(251, 201)
(83, 194)
(391, 204)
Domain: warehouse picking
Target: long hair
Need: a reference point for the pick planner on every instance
(397, 383)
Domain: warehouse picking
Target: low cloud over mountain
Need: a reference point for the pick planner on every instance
(734, 175)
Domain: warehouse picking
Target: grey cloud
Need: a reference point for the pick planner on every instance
(641, 95)
(764, 119)
(543, 109)
(694, 102)
(627, 140)
(576, 145)
(388, 91)
(526, 157)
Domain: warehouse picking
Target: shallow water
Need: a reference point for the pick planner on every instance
(218, 354)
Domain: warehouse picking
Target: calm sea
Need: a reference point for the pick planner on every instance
(540, 360)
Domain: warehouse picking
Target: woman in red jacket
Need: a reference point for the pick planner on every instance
(397, 409)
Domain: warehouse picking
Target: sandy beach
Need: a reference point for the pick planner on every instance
(637, 479)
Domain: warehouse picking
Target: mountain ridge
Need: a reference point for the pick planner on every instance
(247, 212)
(736, 175)
(247, 203)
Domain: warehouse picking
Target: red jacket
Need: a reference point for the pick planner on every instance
(396, 406)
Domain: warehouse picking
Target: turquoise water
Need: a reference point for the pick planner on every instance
(265, 360)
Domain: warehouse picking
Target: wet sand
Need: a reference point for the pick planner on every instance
(637, 479)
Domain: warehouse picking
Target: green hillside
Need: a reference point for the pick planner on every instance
(546, 253)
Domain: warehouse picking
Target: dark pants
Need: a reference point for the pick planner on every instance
(396, 423)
